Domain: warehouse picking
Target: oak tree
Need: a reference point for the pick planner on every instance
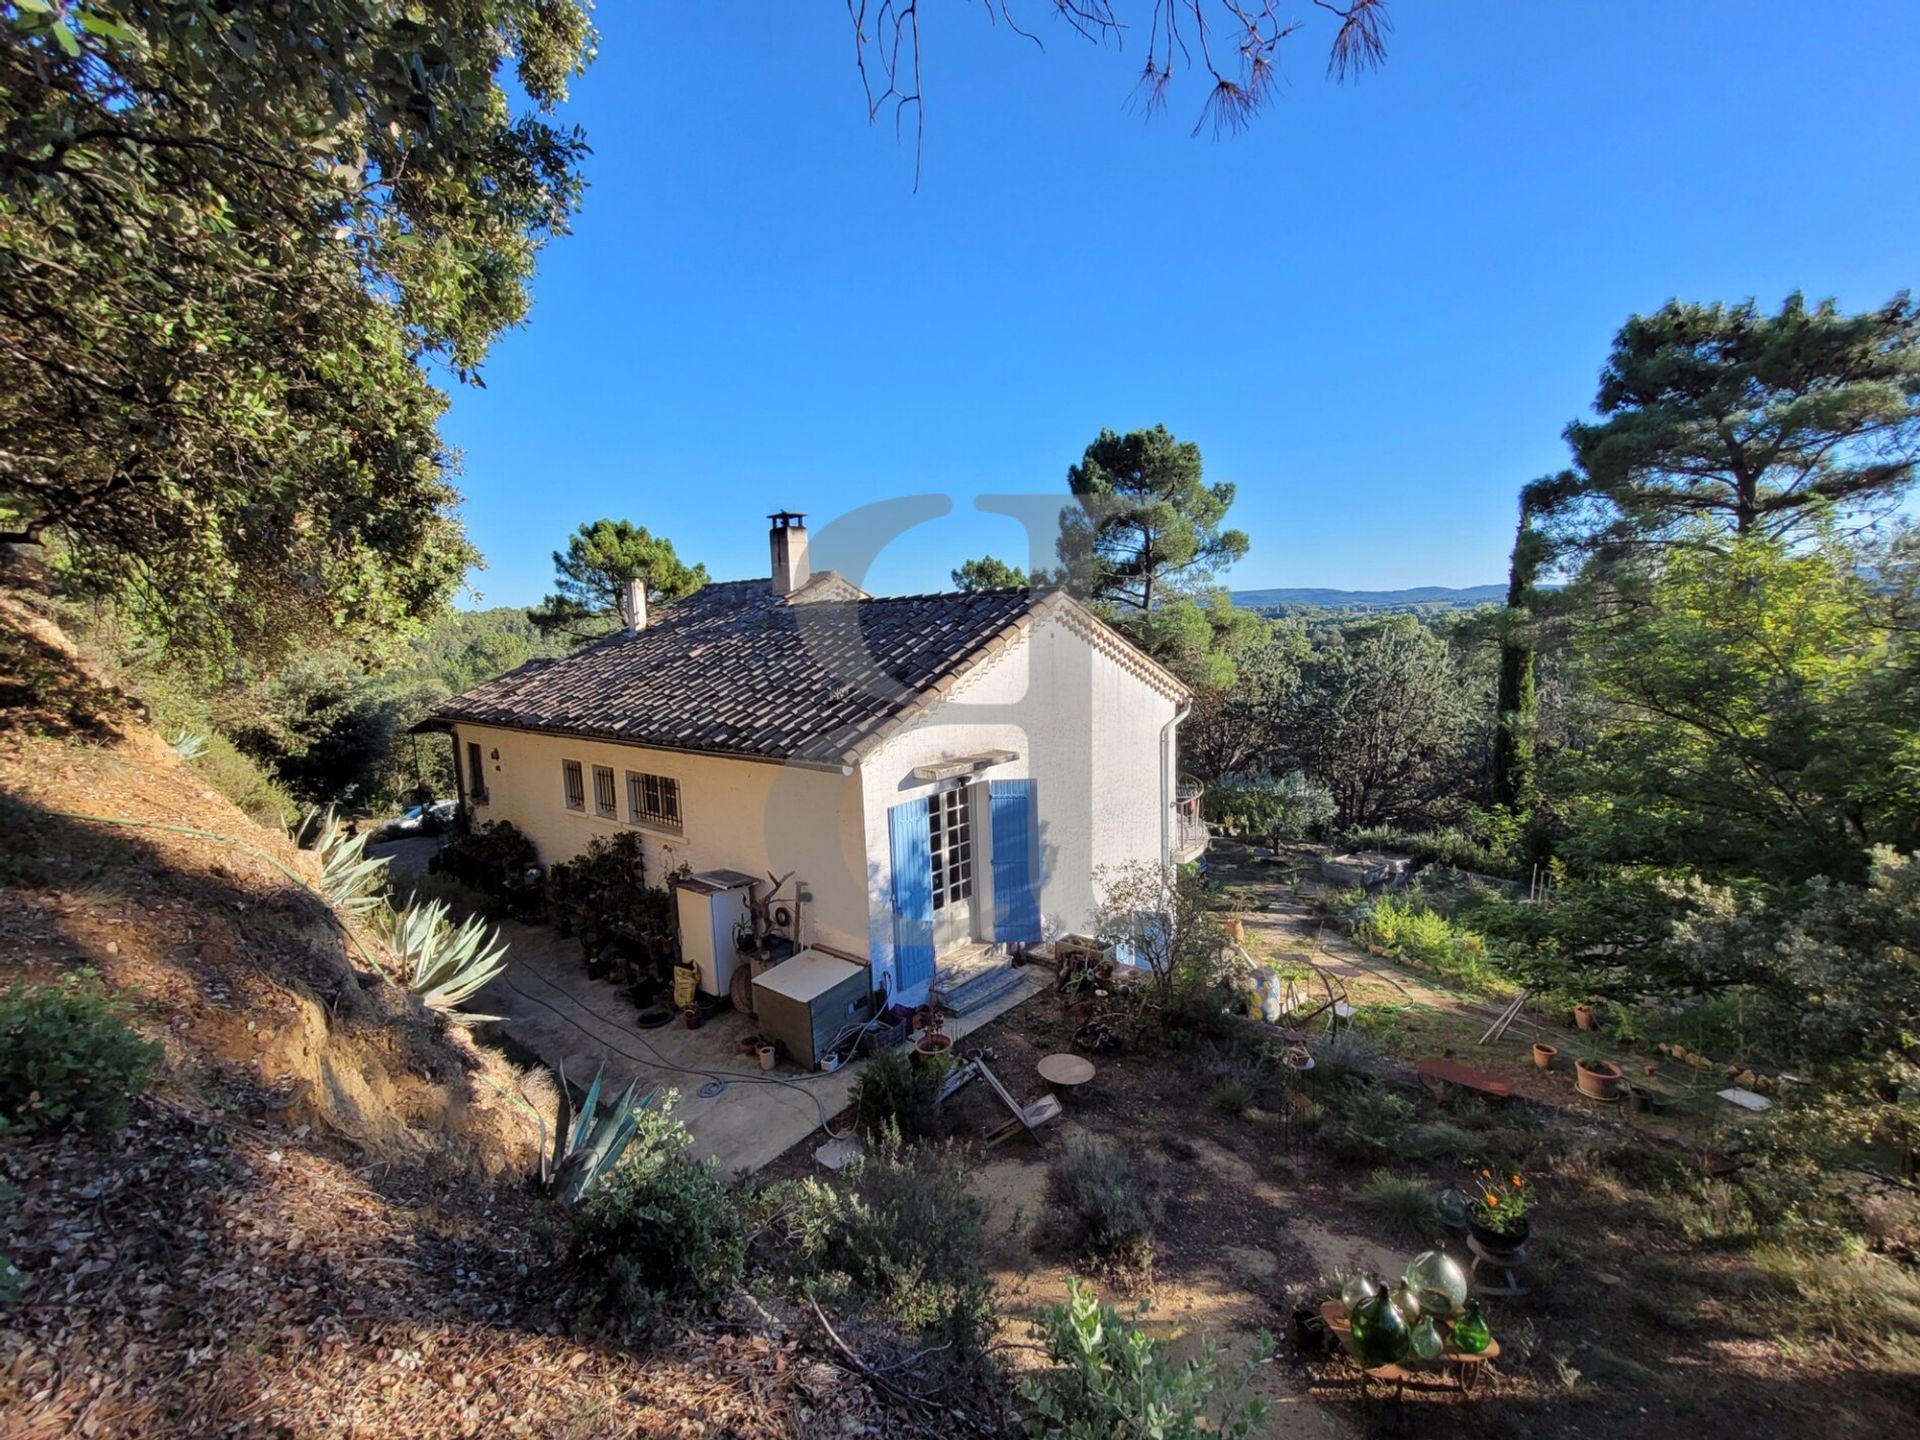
(235, 242)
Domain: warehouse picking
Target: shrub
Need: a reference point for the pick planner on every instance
(68, 1056)
(1230, 1097)
(245, 782)
(1366, 1119)
(663, 1231)
(1110, 1379)
(487, 858)
(11, 1276)
(1109, 1209)
(1162, 921)
(1407, 928)
(893, 1092)
(1268, 807)
(1406, 1207)
(902, 1234)
(1438, 1140)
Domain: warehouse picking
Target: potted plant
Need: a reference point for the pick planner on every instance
(1497, 1206)
(1583, 1015)
(1543, 1054)
(1598, 1079)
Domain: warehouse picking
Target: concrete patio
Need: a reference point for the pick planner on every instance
(548, 1006)
(551, 1009)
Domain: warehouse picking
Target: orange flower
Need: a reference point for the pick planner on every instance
(1518, 1183)
(1487, 1173)
(1493, 1199)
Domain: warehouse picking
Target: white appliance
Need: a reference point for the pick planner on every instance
(713, 904)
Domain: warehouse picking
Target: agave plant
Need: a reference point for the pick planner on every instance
(188, 744)
(446, 963)
(588, 1145)
(352, 881)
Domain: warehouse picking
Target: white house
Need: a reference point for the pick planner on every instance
(939, 771)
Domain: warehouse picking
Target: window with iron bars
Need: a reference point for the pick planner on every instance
(653, 800)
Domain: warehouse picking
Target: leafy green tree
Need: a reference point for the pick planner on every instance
(1241, 729)
(1759, 424)
(1742, 714)
(326, 728)
(1385, 718)
(232, 244)
(591, 575)
(1833, 980)
(988, 573)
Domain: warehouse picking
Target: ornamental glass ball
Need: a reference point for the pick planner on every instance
(1354, 1289)
(1438, 1281)
(1407, 1302)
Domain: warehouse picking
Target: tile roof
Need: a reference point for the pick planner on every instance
(733, 669)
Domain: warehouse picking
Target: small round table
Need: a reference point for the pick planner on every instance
(1065, 1073)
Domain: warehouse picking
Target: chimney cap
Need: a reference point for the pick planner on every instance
(788, 520)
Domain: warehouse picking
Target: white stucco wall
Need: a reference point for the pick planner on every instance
(1085, 729)
(737, 814)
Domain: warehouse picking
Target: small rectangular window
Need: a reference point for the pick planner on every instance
(653, 800)
(476, 775)
(576, 785)
(603, 791)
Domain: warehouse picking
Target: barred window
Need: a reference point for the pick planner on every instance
(576, 785)
(603, 791)
(653, 800)
(476, 775)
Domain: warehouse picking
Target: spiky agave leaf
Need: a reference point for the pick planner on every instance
(352, 881)
(596, 1141)
(446, 963)
(605, 1144)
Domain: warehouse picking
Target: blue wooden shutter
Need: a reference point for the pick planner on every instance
(1016, 898)
(910, 836)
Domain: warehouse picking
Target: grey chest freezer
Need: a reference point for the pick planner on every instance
(804, 1002)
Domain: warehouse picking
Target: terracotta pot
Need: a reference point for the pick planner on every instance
(1583, 1016)
(1543, 1054)
(930, 1044)
(1597, 1079)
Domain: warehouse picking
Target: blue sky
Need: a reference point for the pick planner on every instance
(1374, 311)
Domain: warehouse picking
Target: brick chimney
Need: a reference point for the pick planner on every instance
(788, 541)
(633, 606)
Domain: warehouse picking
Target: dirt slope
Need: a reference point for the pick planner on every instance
(319, 1221)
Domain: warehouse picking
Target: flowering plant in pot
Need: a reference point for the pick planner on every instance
(1497, 1206)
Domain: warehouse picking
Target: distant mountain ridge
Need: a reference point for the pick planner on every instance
(1442, 595)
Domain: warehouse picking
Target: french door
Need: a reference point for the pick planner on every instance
(950, 838)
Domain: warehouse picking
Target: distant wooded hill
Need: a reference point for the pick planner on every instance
(1418, 598)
